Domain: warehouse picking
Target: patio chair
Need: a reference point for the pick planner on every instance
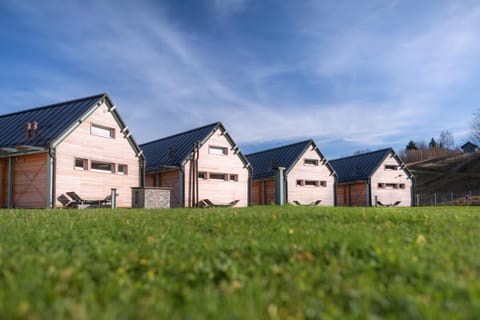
(396, 203)
(296, 203)
(65, 201)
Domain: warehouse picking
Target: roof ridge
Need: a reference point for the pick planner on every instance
(280, 147)
(362, 154)
(52, 105)
(181, 133)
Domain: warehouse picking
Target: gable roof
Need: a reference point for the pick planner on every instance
(264, 162)
(468, 143)
(361, 167)
(55, 122)
(175, 150)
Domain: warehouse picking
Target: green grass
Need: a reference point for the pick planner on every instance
(252, 263)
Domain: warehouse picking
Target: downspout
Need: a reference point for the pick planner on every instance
(369, 192)
(334, 191)
(190, 182)
(10, 183)
(285, 187)
(142, 173)
(196, 174)
(181, 187)
(50, 178)
(412, 193)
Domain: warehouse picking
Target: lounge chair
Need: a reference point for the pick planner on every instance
(77, 199)
(206, 203)
(296, 203)
(65, 201)
(380, 204)
(396, 203)
(315, 203)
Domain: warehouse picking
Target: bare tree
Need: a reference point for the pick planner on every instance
(475, 127)
(446, 140)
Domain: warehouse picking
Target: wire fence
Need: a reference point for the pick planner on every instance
(453, 198)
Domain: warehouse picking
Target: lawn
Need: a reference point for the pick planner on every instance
(251, 263)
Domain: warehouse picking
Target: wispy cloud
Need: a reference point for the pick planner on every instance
(333, 81)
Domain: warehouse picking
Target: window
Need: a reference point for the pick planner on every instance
(202, 175)
(218, 150)
(102, 131)
(391, 186)
(218, 176)
(310, 162)
(323, 183)
(300, 183)
(122, 169)
(391, 167)
(103, 167)
(402, 185)
(234, 177)
(381, 185)
(312, 183)
(81, 164)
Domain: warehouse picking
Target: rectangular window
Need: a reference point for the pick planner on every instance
(402, 185)
(98, 166)
(218, 150)
(381, 185)
(391, 186)
(234, 177)
(310, 162)
(122, 169)
(300, 183)
(312, 183)
(102, 131)
(218, 176)
(391, 167)
(202, 175)
(323, 183)
(81, 164)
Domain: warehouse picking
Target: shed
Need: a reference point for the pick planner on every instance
(80, 146)
(297, 173)
(202, 166)
(373, 178)
(469, 147)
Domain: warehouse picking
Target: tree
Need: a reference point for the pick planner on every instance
(446, 140)
(475, 127)
(433, 144)
(411, 146)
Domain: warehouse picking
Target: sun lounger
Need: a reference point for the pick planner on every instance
(207, 203)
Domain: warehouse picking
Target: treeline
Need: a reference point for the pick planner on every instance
(416, 151)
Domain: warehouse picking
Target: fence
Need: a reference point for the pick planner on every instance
(453, 198)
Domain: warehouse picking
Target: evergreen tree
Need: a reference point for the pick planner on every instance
(411, 146)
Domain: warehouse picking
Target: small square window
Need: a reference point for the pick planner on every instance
(81, 164)
(300, 183)
(122, 169)
(202, 175)
(234, 177)
(323, 183)
(402, 185)
(218, 150)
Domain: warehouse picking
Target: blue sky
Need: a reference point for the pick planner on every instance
(352, 75)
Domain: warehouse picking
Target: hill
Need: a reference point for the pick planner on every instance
(458, 173)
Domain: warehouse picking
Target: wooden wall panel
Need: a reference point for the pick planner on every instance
(309, 194)
(30, 181)
(82, 144)
(3, 182)
(390, 196)
(171, 179)
(262, 192)
(342, 195)
(220, 191)
(358, 194)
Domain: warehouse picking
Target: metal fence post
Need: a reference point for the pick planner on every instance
(114, 198)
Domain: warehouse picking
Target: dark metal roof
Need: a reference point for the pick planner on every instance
(468, 143)
(359, 167)
(174, 150)
(53, 120)
(264, 162)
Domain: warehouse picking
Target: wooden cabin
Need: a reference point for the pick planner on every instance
(80, 146)
(297, 173)
(378, 178)
(203, 167)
